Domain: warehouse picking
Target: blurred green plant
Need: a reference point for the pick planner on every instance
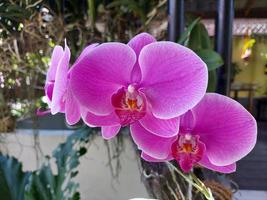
(43, 184)
(12, 179)
(196, 37)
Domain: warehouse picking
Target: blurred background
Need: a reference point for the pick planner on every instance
(230, 36)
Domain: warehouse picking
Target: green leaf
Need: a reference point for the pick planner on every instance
(211, 58)
(212, 81)
(43, 185)
(12, 179)
(186, 34)
(205, 38)
(199, 38)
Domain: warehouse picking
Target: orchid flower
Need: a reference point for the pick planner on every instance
(148, 82)
(57, 90)
(215, 134)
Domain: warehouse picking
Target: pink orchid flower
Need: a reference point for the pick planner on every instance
(148, 82)
(214, 134)
(59, 95)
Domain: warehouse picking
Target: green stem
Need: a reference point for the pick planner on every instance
(198, 184)
(91, 12)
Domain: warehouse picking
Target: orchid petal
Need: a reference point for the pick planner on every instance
(223, 169)
(72, 109)
(187, 122)
(137, 43)
(228, 130)
(60, 86)
(86, 51)
(55, 59)
(153, 145)
(100, 74)
(84, 113)
(160, 127)
(109, 132)
(49, 88)
(148, 158)
(174, 78)
(107, 120)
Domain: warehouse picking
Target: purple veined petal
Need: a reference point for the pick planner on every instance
(109, 132)
(160, 127)
(107, 120)
(137, 43)
(223, 169)
(49, 87)
(174, 78)
(153, 145)
(187, 122)
(55, 59)
(100, 74)
(84, 113)
(148, 158)
(228, 130)
(72, 109)
(60, 86)
(85, 52)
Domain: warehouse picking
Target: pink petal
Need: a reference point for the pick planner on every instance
(55, 59)
(85, 52)
(109, 132)
(49, 87)
(223, 169)
(228, 130)
(148, 158)
(84, 113)
(137, 43)
(107, 120)
(151, 144)
(160, 127)
(72, 109)
(100, 74)
(174, 78)
(60, 86)
(187, 122)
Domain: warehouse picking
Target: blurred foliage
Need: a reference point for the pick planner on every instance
(12, 179)
(196, 37)
(43, 184)
(30, 29)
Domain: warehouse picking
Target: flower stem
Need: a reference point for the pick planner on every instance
(198, 184)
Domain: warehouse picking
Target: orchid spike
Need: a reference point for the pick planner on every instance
(148, 82)
(215, 134)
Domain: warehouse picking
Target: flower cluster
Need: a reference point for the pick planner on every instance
(159, 90)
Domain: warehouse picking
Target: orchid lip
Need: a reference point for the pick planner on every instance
(188, 150)
(129, 104)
